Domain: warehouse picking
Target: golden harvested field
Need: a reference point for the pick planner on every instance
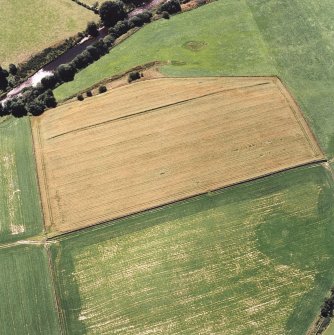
(158, 141)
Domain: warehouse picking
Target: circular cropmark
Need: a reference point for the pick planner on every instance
(194, 45)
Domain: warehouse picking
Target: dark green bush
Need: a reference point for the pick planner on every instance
(35, 107)
(92, 29)
(50, 82)
(109, 40)
(171, 6)
(102, 89)
(165, 15)
(133, 76)
(12, 69)
(66, 72)
(111, 12)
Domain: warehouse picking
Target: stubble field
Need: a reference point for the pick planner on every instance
(252, 259)
(140, 148)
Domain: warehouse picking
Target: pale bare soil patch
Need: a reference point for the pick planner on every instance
(161, 140)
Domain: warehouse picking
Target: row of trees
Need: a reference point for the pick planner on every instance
(102, 89)
(66, 72)
(33, 101)
(113, 11)
(20, 73)
(327, 309)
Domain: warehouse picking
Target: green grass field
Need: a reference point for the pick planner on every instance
(26, 292)
(232, 46)
(20, 209)
(299, 35)
(253, 259)
(30, 26)
(240, 37)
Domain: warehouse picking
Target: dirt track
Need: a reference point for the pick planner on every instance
(161, 140)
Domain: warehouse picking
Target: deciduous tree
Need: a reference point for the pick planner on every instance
(111, 12)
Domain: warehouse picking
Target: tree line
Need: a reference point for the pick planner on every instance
(34, 100)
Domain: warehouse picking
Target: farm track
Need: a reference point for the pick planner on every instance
(163, 160)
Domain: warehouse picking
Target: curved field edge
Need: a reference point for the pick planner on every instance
(231, 32)
(240, 37)
(252, 259)
(26, 292)
(20, 208)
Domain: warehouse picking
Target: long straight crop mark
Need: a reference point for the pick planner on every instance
(155, 109)
(101, 224)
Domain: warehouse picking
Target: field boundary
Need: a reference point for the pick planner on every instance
(38, 146)
(315, 154)
(54, 237)
(150, 110)
(56, 298)
(44, 196)
(138, 68)
(299, 116)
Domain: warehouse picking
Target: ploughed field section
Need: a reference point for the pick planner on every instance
(162, 140)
